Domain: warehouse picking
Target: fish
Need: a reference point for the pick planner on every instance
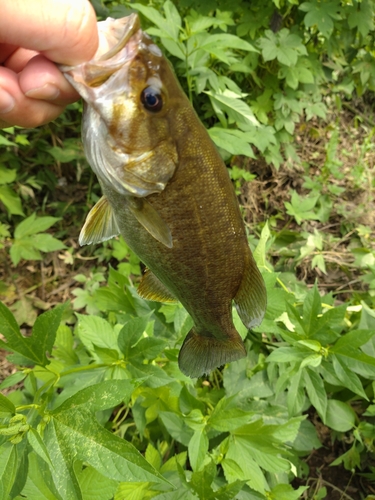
(167, 191)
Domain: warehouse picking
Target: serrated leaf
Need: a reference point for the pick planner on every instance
(130, 334)
(43, 334)
(46, 242)
(11, 200)
(232, 140)
(33, 225)
(227, 417)
(7, 175)
(95, 331)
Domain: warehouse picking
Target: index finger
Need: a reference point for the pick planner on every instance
(63, 30)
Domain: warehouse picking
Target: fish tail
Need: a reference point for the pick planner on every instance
(200, 353)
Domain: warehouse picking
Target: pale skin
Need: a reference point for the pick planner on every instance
(34, 36)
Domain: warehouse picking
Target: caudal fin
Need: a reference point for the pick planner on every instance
(200, 354)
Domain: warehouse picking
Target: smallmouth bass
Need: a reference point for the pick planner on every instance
(167, 191)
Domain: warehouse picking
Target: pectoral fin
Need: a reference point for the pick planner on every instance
(100, 224)
(151, 220)
(251, 298)
(151, 288)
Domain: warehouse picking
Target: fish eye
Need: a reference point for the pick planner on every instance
(151, 99)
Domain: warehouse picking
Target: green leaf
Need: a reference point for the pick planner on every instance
(176, 427)
(8, 468)
(340, 416)
(38, 446)
(7, 175)
(6, 406)
(107, 394)
(226, 41)
(33, 225)
(312, 307)
(361, 16)
(235, 107)
(287, 492)
(352, 340)
(283, 46)
(39, 484)
(79, 436)
(227, 417)
(44, 332)
(11, 200)
(301, 208)
(198, 448)
(130, 334)
(321, 14)
(244, 469)
(46, 242)
(316, 391)
(12, 380)
(260, 251)
(347, 377)
(95, 486)
(232, 140)
(134, 491)
(201, 481)
(43, 335)
(95, 331)
(62, 456)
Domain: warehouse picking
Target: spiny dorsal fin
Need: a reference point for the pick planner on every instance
(100, 224)
(151, 288)
(151, 220)
(200, 354)
(251, 297)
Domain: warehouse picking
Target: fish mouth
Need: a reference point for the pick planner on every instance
(113, 51)
(104, 65)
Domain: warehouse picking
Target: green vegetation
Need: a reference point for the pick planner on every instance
(94, 406)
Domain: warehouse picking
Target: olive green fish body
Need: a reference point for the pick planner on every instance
(168, 192)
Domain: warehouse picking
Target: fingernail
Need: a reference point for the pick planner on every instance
(7, 102)
(48, 92)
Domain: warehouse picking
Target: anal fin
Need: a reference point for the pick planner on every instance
(100, 224)
(151, 220)
(251, 297)
(200, 354)
(151, 288)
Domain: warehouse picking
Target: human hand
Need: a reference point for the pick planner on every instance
(34, 35)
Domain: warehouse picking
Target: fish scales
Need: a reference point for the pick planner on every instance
(168, 192)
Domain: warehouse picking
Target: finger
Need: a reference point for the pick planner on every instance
(18, 59)
(64, 31)
(41, 79)
(18, 109)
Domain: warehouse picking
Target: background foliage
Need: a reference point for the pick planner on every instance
(97, 407)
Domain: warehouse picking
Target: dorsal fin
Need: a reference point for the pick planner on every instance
(251, 297)
(151, 288)
(100, 224)
(151, 220)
